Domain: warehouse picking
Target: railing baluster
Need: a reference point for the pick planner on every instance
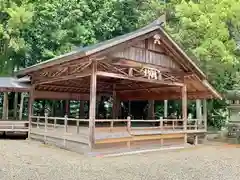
(65, 123)
(111, 125)
(196, 124)
(45, 127)
(55, 122)
(65, 130)
(161, 123)
(77, 121)
(38, 122)
(129, 123)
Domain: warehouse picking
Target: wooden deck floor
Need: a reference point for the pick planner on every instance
(13, 126)
(108, 138)
(60, 133)
(102, 133)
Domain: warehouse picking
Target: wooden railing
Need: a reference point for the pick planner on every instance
(56, 122)
(196, 124)
(61, 128)
(162, 124)
(14, 126)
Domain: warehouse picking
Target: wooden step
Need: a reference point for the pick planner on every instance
(139, 138)
(155, 137)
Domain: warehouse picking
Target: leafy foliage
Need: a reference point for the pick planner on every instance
(34, 31)
(14, 19)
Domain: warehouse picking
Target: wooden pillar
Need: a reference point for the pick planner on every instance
(165, 108)
(196, 140)
(15, 105)
(21, 106)
(81, 109)
(184, 111)
(114, 107)
(151, 109)
(30, 109)
(198, 117)
(205, 113)
(5, 106)
(92, 106)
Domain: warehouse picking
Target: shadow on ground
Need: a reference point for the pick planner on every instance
(13, 136)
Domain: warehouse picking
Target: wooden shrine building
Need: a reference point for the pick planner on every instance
(142, 65)
(13, 121)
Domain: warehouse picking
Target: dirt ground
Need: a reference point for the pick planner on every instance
(22, 159)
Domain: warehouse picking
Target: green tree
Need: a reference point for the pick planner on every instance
(14, 19)
(208, 30)
(34, 31)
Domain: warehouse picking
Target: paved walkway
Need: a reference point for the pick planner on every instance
(31, 160)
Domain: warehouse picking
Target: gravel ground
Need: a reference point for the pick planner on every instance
(31, 160)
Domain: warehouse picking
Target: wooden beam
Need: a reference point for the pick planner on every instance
(92, 107)
(165, 88)
(63, 95)
(46, 86)
(63, 78)
(70, 89)
(120, 76)
(60, 95)
(184, 110)
(134, 64)
(160, 95)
